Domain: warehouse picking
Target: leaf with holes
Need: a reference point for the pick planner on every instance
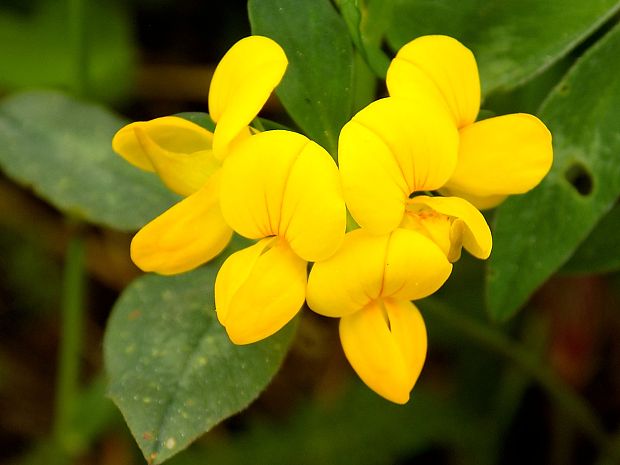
(512, 40)
(317, 87)
(174, 374)
(63, 149)
(536, 233)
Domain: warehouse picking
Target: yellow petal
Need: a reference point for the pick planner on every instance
(402, 265)
(438, 65)
(183, 173)
(170, 134)
(414, 266)
(439, 228)
(386, 344)
(502, 156)
(185, 236)
(254, 180)
(259, 289)
(281, 183)
(467, 227)
(313, 217)
(480, 202)
(241, 84)
(392, 148)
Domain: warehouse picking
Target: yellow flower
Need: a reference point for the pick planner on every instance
(188, 158)
(282, 189)
(369, 284)
(396, 147)
(498, 156)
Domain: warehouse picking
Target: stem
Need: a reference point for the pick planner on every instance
(72, 309)
(566, 399)
(258, 124)
(76, 15)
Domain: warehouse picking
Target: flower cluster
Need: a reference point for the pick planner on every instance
(414, 168)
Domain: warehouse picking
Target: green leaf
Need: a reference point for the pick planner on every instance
(35, 50)
(174, 374)
(366, 27)
(512, 40)
(599, 253)
(61, 147)
(536, 233)
(317, 87)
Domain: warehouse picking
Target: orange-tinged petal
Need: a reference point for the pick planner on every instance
(281, 183)
(502, 156)
(402, 265)
(185, 236)
(386, 344)
(170, 133)
(438, 65)
(259, 289)
(392, 148)
(468, 227)
(439, 228)
(241, 84)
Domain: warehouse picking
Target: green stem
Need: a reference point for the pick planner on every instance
(72, 311)
(565, 398)
(76, 16)
(258, 124)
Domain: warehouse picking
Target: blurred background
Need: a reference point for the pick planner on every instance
(479, 401)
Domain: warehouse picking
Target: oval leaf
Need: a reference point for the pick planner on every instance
(62, 148)
(174, 374)
(317, 87)
(536, 233)
(512, 41)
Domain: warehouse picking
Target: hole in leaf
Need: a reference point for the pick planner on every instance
(580, 178)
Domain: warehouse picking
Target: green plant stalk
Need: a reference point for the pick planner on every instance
(72, 316)
(565, 398)
(76, 17)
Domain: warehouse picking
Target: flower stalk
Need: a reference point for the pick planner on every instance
(70, 349)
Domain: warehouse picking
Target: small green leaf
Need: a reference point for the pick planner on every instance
(62, 148)
(512, 41)
(599, 253)
(317, 87)
(174, 374)
(536, 233)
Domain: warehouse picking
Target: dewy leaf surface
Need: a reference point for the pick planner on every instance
(174, 374)
(62, 148)
(536, 233)
(512, 40)
(317, 87)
